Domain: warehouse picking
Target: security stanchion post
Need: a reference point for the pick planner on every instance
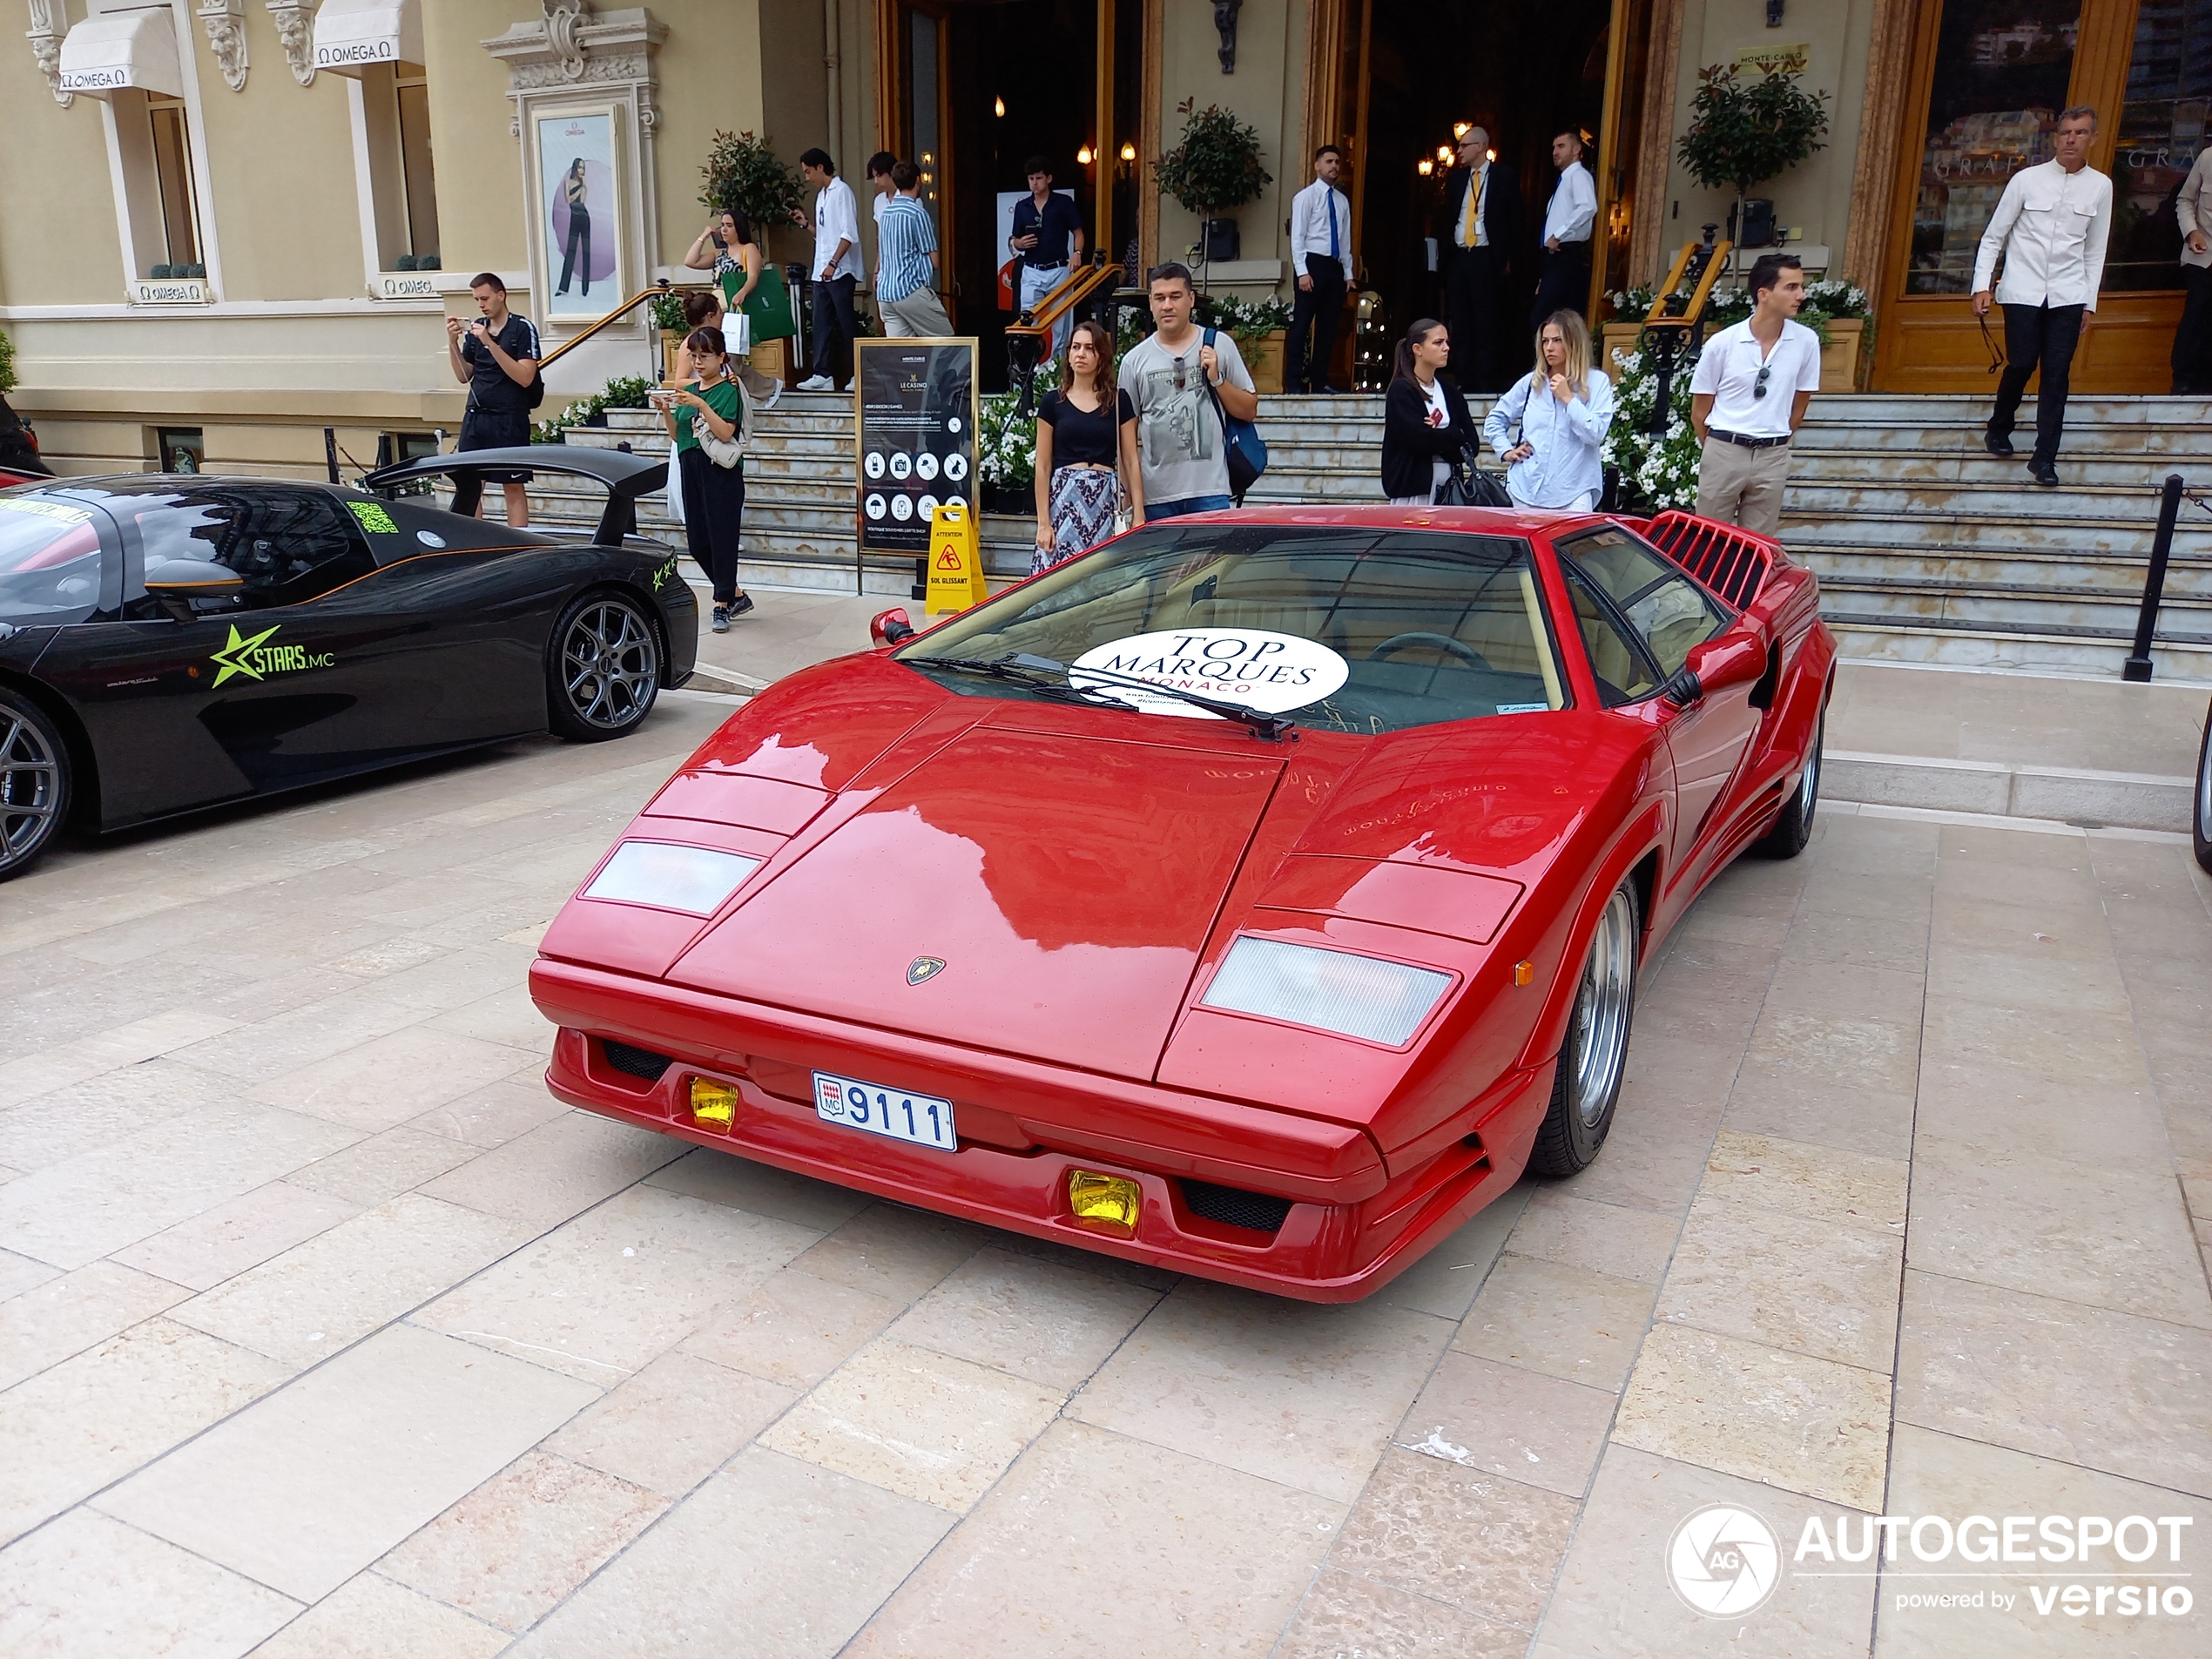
(2137, 667)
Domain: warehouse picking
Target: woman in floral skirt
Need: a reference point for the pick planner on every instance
(1086, 453)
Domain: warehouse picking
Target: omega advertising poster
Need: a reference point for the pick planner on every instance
(583, 225)
(918, 410)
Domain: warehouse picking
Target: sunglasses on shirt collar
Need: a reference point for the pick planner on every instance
(1758, 387)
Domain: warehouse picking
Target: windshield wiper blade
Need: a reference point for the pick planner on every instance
(1008, 670)
(1271, 727)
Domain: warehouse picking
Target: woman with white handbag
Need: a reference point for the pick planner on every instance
(709, 437)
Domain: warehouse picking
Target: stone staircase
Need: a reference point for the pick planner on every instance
(1928, 549)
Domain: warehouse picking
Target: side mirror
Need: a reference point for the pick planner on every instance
(892, 626)
(179, 584)
(1737, 658)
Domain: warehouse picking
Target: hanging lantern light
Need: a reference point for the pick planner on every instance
(998, 108)
(1129, 153)
(1425, 167)
(1083, 156)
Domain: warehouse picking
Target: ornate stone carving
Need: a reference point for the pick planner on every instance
(49, 23)
(295, 27)
(226, 23)
(563, 19)
(1224, 20)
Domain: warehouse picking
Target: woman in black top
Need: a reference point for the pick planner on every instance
(1425, 419)
(1086, 443)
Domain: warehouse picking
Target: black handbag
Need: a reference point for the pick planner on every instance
(1469, 486)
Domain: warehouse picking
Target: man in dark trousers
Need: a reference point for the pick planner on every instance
(1321, 255)
(1481, 218)
(1568, 221)
(495, 357)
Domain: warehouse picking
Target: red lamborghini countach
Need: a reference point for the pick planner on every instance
(1257, 895)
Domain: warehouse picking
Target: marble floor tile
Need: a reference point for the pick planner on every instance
(794, 1328)
(1615, 1600)
(299, 1037)
(1803, 1283)
(2014, 979)
(1896, 943)
(382, 1167)
(1878, 1056)
(723, 1178)
(382, 1082)
(200, 1253)
(506, 1016)
(370, 1617)
(1798, 1177)
(798, 1557)
(1210, 1560)
(1303, 1394)
(1612, 1239)
(1847, 990)
(88, 1587)
(1798, 1107)
(1344, 1616)
(2095, 1048)
(123, 1104)
(1786, 1420)
(493, 1116)
(20, 1273)
(1979, 1105)
(305, 1304)
(2109, 1390)
(1049, 1322)
(917, 1423)
(515, 1546)
(1565, 1322)
(75, 1426)
(38, 1072)
(1474, 1540)
(1497, 1419)
(562, 1168)
(1647, 1165)
(891, 1251)
(1445, 1281)
(307, 1487)
(673, 1424)
(65, 1316)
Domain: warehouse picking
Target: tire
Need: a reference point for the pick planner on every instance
(1793, 828)
(1595, 1054)
(603, 668)
(35, 784)
(2201, 817)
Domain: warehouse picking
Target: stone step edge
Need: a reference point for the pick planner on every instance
(2072, 795)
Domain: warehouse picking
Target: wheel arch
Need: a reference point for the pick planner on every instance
(85, 782)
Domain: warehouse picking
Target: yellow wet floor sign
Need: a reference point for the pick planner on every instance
(956, 562)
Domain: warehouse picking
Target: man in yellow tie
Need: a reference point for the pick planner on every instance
(1482, 219)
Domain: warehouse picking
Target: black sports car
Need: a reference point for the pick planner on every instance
(169, 643)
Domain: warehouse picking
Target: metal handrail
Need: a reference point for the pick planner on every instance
(1025, 336)
(636, 300)
(1676, 317)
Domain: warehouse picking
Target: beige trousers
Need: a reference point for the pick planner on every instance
(920, 315)
(1740, 486)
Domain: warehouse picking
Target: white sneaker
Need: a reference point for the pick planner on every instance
(763, 390)
(816, 383)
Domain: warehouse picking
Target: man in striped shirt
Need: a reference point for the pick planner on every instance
(906, 260)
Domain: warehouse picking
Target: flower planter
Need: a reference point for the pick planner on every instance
(1015, 501)
(1843, 363)
(1266, 359)
(671, 341)
(1616, 336)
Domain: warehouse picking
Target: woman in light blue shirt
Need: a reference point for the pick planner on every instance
(1562, 409)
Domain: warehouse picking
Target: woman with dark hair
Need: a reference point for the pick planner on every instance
(1426, 424)
(572, 192)
(713, 477)
(734, 256)
(1086, 446)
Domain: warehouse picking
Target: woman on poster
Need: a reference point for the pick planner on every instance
(573, 263)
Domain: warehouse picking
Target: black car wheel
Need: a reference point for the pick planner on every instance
(2201, 818)
(34, 784)
(605, 668)
(1793, 829)
(1595, 1054)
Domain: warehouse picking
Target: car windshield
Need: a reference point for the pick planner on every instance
(50, 560)
(1342, 628)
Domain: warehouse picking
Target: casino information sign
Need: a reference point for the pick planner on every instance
(917, 408)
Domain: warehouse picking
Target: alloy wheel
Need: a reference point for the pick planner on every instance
(1602, 1009)
(30, 781)
(609, 665)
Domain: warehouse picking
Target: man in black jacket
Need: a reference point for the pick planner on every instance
(1481, 218)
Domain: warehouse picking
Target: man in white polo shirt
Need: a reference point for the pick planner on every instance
(1752, 385)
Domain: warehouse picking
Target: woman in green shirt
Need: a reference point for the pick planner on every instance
(712, 403)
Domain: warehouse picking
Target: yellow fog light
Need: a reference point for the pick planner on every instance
(1110, 1202)
(714, 1104)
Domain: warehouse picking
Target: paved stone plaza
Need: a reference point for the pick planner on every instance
(332, 1333)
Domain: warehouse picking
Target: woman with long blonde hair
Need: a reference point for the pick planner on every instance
(1562, 409)
(1086, 452)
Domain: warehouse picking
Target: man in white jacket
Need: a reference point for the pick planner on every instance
(2193, 340)
(2051, 227)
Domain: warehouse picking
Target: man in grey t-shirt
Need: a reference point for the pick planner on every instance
(1179, 445)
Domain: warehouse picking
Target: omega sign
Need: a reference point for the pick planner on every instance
(341, 54)
(107, 78)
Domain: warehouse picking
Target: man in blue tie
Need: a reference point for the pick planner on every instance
(1321, 255)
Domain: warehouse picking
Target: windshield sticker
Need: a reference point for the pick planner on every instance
(255, 656)
(1273, 673)
(1524, 708)
(51, 509)
(373, 517)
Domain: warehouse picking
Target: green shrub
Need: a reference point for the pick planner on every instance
(742, 172)
(1216, 165)
(7, 364)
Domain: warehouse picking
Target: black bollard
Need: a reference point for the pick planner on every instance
(2137, 668)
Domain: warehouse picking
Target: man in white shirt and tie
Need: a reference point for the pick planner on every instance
(1321, 255)
(2051, 225)
(1568, 221)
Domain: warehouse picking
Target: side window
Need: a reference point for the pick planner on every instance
(287, 545)
(1624, 671)
(1670, 611)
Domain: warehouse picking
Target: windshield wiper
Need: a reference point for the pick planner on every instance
(1006, 668)
(1271, 727)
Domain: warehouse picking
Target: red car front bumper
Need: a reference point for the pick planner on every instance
(1352, 1223)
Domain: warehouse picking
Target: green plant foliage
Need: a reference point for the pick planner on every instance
(1656, 473)
(742, 172)
(1006, 444)
(1243, 321)
(668, 311)
(624, 391)
(1216, 165)
(1743, 135)
(7, 364)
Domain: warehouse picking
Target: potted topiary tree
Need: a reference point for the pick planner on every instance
(742, 172)
(1216, 166)
(1742, 135)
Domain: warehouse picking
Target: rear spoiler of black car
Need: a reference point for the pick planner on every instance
(627, 476)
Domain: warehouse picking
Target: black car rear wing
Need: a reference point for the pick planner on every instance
(627, 476)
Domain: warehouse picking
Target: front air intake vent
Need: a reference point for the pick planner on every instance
(635, 1063)
(1234, 1207)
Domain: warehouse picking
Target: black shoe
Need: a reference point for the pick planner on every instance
(739, 605)
(2001, 447)
(2043, 472)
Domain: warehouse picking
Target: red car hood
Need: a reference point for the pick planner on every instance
(1068, 883)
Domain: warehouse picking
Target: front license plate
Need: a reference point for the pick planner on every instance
(922, 1119)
